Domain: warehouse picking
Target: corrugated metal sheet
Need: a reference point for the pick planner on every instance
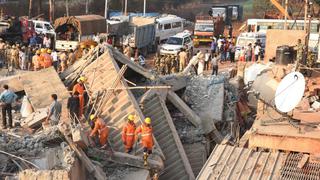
(230, 162)
(177, 165)
(100, 75)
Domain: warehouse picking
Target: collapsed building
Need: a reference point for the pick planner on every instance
(117, 87)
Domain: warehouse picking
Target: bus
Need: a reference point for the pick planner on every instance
(262, 25)
(167, 26)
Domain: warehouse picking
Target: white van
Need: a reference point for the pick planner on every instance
(167, 26)
(43, 27)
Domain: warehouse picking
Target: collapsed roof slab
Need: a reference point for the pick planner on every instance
(100, 75)
(177, 165)
(231, 162)
(38, 86)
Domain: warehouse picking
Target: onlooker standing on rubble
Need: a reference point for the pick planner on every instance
(300, 48)
(257, 50)
(147, 143)
(54, 111)
(232, 49)
(128, 131)
(200, 65)
(101, 129)
(207, 57)
(214, 63)
(71, 57)
(7, 97)
(63, 58)
(73, 105)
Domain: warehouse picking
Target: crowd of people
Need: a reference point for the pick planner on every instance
(35, 57)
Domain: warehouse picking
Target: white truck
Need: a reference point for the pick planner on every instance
(74, 29)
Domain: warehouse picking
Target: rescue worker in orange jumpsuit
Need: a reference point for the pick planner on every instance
(146, 132)
(43, 51)
(128, 131)
(101, 129)
(79, 87)
(47, 59)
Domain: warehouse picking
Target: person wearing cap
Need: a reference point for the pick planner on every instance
(36, 61)
(79, 87)
(100, 129)
(146, 132)
(128, 131)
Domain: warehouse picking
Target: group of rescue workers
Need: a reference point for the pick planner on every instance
(130, 131)
(30, 58)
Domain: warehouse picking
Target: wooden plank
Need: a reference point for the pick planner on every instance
(303, 161)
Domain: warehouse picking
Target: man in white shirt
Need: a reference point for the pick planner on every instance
(47, 42)
(207, 57)
(55, 61)
(257, 50)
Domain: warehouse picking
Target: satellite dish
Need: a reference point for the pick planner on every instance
(289, 92)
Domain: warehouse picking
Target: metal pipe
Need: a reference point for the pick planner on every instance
(126, 7)
(285, 15)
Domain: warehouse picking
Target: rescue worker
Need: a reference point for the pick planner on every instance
(71, 57)
(43, 51)
(157, 62)
(47, 59)
(168, 64)
(300, 48)
(182, 59)
(79, 87)
(100, 129)
(174, 64)
(162, 69)
(63, 58)
(147, 143)
(15, 56)
(128, 131)
(36, 61)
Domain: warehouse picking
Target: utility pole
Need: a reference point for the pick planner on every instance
(87, 6)
(51, 10)
(30, 8)
(106, 9)
(67, 7)
(126, 7)
(285, 15)
(144, 7)
(305, 14)
(39, 7)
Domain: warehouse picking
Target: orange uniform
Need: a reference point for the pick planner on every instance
(36, 62)
(128, 135)
(101, 128)
(146, 136)
(47, 60)
(80, 89)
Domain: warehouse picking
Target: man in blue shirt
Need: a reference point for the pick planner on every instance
(7, 97)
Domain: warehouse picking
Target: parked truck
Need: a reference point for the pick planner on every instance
(15, 30)
(137, 32)
(229, 13)
(203, 30)
(75, 29)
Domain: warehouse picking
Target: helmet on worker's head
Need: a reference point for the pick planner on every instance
(131, 117)
(147, 120)
(92, 46)
(49, 51)
(92, 117)
(42, 50)
(82, 79)
(13, 46)
(82, 46)
(38, 52)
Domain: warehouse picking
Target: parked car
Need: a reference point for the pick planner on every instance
(167, 26)
(176, 42)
